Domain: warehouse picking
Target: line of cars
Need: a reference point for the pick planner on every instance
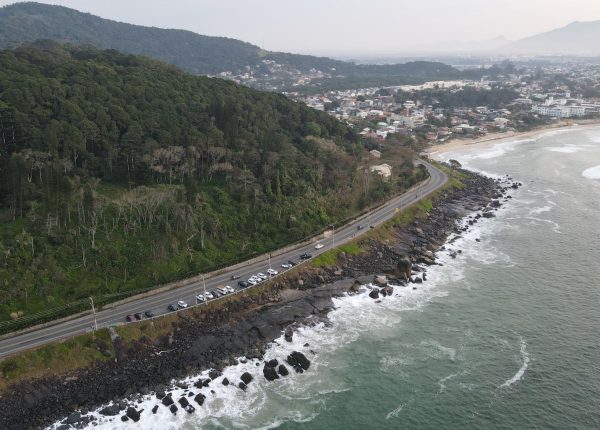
(218, 292)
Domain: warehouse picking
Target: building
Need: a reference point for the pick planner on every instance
(375, 153)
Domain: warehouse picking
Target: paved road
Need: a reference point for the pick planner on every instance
(158, 303)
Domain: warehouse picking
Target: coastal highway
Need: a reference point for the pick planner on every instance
(158, 303)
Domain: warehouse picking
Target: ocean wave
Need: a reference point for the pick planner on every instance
(524, 365)
(396, 412)
(565, 149)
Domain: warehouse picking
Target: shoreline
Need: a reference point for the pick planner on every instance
(246, 327)
(457, 144)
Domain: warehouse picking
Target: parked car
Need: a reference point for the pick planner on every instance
(243, 284)
(138, 316)
(291, 263)
(305, 256)
(216, 293)
(272, 272)
(286, 265)
(129, 318)
(200, 298)
(253, 281)
(229, 289)
(208, 296)
(261, 276)
(318, 246)
(234, 277)
(172, 307)
(181, 304)
(371, 226)
(222, 291)
(359, 227)
(149, 314)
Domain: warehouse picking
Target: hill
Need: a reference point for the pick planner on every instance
(577, 38)
(247, 63)
(119, 172)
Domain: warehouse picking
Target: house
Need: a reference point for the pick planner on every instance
(375, 153)
(384, 170)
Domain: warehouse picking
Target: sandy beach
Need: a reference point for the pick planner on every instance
(495, 138)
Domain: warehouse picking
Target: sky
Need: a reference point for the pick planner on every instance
(347, 27)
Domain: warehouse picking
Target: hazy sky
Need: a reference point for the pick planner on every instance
(346, 26)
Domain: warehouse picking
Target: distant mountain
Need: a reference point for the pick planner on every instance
(26, 22)
(577, 38)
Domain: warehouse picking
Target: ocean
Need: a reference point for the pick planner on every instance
(505, 336)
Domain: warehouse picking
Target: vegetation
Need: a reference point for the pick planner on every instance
(330, 257)
(118, 173)
(465, 97)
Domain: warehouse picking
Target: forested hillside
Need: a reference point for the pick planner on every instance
(28, 22)
(120, 172)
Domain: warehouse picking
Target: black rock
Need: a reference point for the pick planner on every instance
(133, 414)
(167, 400)
(124, 418)
(160, 394)
(270, 373)
(181, 385)
(110, 411)
(214, 374)
(183, 402)
(191, 394)
(283, 371)
(206, 382)
(298, 361)
(374, 294)
(154, 409)
(74, 418)
(225, 381)
(173, 408)
(242, 386)
(200, 399)
(246, 378)
(190, 409)
(272, 363)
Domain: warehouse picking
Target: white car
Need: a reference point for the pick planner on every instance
(272, 272)
(261, 276)
(318, 246)
(253, 281)
(181, 304)
(200, 298)
(286, 266)
(208, 296)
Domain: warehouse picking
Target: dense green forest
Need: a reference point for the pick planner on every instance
(119, 172)
(464, 97)
(27, 22)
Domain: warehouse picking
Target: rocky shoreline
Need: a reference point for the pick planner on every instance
(243, 328)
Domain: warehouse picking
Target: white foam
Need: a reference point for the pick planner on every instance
(565, 149)
(592, 172)
(396, 412)
(524, 365)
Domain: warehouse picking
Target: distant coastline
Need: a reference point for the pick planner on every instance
(495, 138)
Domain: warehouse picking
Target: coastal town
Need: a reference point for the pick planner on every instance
(439, 110)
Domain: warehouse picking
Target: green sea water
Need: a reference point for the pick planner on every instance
(506, 336)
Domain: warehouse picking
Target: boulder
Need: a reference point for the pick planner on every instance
(173, 408)
(133, 414)
(283, 371)
(270, 373)
(298, 361)
(225, 381)
(124, 418)
(403, 268)
(242, 386)
(154, 409)
(190, 409)
(181, 385)
(387, 291)
(110, 411)
(160, 394)
(214, 374)
(272, 363)
(74, 418)
(374, 294)
(246, 378)
(289, 333)
(167, 400)
(200, 399)
(380, 280)
(183, 402)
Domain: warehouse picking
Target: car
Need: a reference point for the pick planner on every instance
(216, 293)
(222, 291)
(234, 277)
(181, 304)
(318, 246)
(291, 263)
(229, 289)
(359, 227)
(149, 314)
(261, 276)
(253, 281)
(305, 256)
(208, 296)
(138, 316)
(272, 272)
(172, 307)
(243, 284)
(200, 298)
(371, 226)
(129, 318)
(286, 265)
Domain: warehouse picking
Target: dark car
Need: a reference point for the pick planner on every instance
(291, 263)
(371, 226)
(149, 314)
(305, 256)
(216, 293)
(129, 318)
(138, 316)
(359, 227)
(243, 284)
(172, 307)
(234, 277)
